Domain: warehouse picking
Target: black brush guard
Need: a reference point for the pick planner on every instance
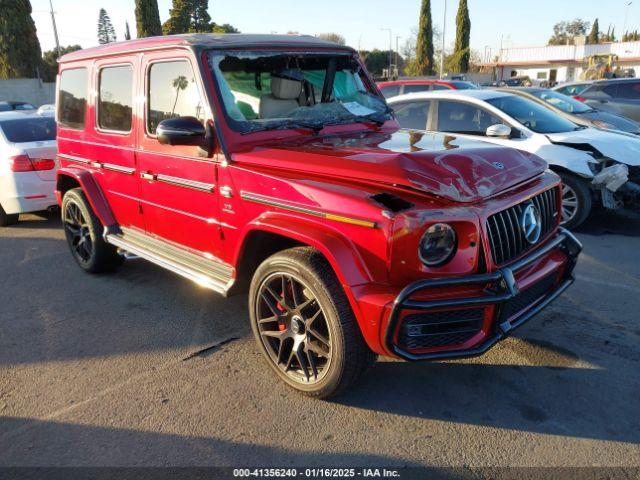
(504, 288)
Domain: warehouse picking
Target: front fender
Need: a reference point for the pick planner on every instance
(567, 158)
(341, 253)
(85, 179)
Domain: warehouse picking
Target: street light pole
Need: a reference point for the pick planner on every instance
(444, 27)
(55, 29)
(626, 15)
(397, 49)
(390, 50)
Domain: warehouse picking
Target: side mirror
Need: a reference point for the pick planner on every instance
(498, 130)
(180, 131)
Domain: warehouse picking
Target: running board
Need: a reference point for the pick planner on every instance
(208, 273)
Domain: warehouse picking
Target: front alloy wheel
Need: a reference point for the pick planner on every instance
(304, 325)
(576, 201)
(293, 328)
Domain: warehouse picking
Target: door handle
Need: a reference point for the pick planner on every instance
(148, 176)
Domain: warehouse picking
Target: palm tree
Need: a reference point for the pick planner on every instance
(179, 83)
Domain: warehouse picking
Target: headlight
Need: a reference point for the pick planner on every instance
(438, 244)
(605, 125)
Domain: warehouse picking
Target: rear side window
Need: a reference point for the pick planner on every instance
(72, 99)
(173, 92)
(391, 91)
(415, 88)
(115, 98)
(629, 90)
(23, 130)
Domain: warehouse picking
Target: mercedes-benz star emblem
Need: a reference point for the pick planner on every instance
(531, 223)
(499, 165)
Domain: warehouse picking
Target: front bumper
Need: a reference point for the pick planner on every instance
(501, 288)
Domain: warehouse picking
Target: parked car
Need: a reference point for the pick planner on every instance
(10, 106)
(401, 87)
(352, 238)
(518, 81)
(573, 89)
(27, 164)
(617, 95)
(576, 111)
(595, 165)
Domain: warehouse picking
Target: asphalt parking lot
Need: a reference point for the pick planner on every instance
(143, 368)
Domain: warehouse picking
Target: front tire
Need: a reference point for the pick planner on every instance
(576, 201)
(84, 235)
(6, 219)
(304, 325)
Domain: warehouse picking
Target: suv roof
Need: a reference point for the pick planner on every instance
(204, 40)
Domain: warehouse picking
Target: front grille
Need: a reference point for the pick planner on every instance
(527, 297)
(438, 329)
(506, 237)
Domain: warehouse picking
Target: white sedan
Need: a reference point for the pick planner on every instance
(27, 163)
(595, 165)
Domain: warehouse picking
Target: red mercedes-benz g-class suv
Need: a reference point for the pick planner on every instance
(271, 164)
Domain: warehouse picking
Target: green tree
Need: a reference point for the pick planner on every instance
(147, 18)
(106, 32)
(224, 28)
(127, 32)
(50, 61)
(188, 16)
(377, 60)
(423, 64)
(333, 37)
(564, 32)
(19, 45)
(461, 51)
(594, 35)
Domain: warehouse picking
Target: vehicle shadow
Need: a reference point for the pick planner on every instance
(548, 397)
(29, 442)
(603, 222)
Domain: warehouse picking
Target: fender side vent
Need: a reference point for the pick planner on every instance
(392, 202)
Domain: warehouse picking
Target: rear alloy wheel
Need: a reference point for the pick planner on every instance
(304, 325)
(84, 235)
(6, 219)
(576, 201)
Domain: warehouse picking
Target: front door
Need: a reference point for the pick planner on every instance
(178, 187)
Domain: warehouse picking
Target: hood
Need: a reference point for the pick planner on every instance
(621, 147)
(454, 168)
(618, 121)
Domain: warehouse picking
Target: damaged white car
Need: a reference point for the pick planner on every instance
(597, 167)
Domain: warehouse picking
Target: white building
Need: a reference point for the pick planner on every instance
(560, 63)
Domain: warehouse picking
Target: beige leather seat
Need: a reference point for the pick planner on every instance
(282, 99)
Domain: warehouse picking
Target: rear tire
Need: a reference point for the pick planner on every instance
(84, 235)
(6, 219)
(576, 200)
(304, 325)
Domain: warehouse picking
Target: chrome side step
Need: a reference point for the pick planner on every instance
(208, 273)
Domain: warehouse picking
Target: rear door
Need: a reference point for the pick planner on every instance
(177, 185)
(628, 99)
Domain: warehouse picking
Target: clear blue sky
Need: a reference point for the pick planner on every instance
(519, 23)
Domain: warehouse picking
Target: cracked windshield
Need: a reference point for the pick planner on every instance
(271, 91)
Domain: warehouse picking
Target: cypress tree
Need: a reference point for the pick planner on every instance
(147, 18)
(179, 18)
(594, 35)
(19, 46)
(106, 32)
(424, 47)
(127, 32)
(462, 53)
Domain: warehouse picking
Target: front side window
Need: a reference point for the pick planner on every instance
(532, 115)
(629, 90)
(173, 92)
(440, 86)
(72, 98)
(462, 85)
(413, 115)
(286, 90)
(456, 117)
(115, 98)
